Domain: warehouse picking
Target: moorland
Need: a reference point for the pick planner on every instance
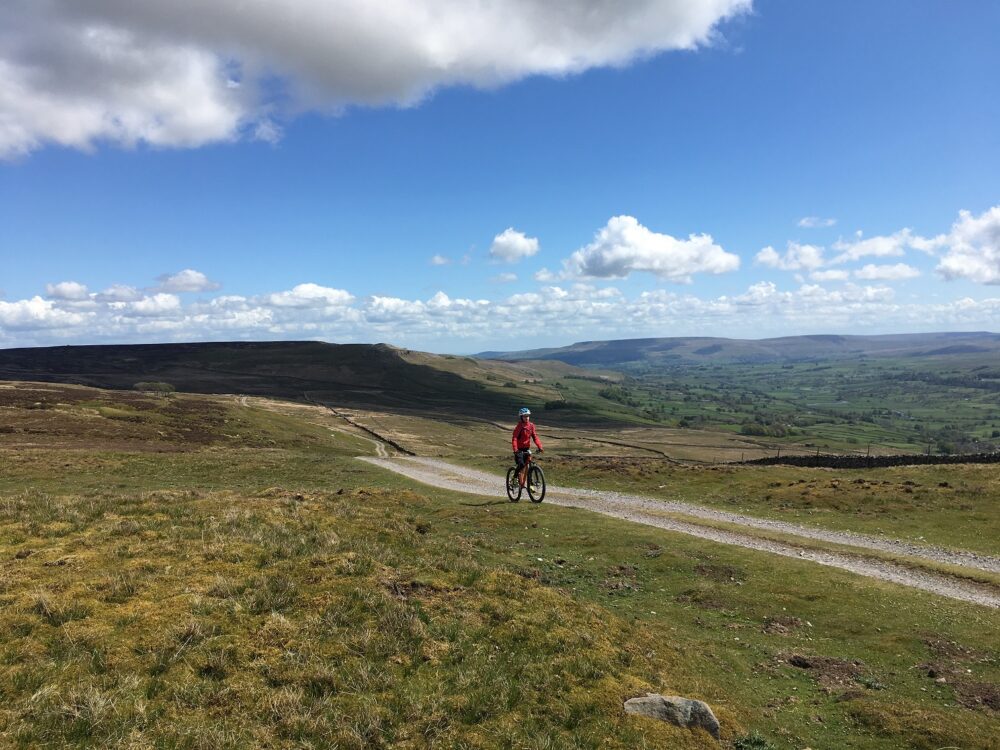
(213, 568)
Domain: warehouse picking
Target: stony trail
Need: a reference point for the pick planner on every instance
(651, 512)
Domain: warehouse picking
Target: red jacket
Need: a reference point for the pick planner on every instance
(524, 433)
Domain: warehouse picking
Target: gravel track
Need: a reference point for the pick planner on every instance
(647, 511)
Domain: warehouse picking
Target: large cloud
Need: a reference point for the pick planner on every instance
(625, 245)
(37, 313)
(973, 248)
(187, 72)
(309, 295)
(570, 312)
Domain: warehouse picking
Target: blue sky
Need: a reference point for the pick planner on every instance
(697, 172)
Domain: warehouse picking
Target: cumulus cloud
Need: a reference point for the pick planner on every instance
(309, 295)
(973, 248)
(119, 293)
(897, 272)
(187, 280)
(830, 275)
(881, 246)
(545, 276)
(37, 313)
(816, 222)
(625, 246)
(505, 278)
(565, 311)
(70, 290)
(796, 257)
(440, 260)
(156, 305)
(511, 246)
(186, 72)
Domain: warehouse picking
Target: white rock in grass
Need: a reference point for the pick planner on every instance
(684, 712)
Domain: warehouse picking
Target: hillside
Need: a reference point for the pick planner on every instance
(699, 350)
(344, 374)
(195, 571)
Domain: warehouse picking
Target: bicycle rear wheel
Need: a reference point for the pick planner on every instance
(536, 484)
(513, 486)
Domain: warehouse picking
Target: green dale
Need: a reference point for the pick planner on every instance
(192, 555)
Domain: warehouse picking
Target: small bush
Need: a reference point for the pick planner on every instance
(753, 741)
(154, 386)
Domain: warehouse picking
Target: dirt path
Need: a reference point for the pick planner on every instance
(651, 511)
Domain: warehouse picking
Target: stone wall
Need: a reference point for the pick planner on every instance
(872, 462)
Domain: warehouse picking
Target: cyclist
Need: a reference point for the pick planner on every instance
(524, 433)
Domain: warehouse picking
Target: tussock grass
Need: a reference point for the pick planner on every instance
(289, 597)
(326, 620)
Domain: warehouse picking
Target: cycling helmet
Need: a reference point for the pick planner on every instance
(525, 412)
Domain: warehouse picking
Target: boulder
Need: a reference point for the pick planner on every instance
(684, 712)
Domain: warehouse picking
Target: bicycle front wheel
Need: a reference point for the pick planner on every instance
(536, 484)
(513, 485)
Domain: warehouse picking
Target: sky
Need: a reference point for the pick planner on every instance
(459, 177)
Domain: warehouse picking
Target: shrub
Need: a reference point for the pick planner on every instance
(753, 741)
(154, 386)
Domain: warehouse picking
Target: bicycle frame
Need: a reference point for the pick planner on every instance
(522, 474)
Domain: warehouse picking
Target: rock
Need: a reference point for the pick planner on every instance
(684, 712)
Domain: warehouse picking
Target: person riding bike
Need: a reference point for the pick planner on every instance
(520, 441)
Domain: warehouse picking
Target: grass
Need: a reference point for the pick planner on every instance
(948, 506)
(285, 595)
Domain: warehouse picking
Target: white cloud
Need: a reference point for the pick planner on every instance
(511, 246)
(973, 248)
(156, 305)
(68, 290)
(830, 275)
(187, 280)
(881, 246)
(309, 295)
(187, 72)
(897, 272)
(505, 278)
(796, 258)
(625, 246)
(568, 312)
(816, 222)
(545, 276)
(37, 313)
(119, 293)
(440, 260)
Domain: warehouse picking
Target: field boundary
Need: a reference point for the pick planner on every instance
(829, 461)
(356, 425)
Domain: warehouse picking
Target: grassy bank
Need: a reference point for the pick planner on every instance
(270, 591)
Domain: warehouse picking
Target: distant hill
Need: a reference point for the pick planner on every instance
(361, 375)
(695, 350)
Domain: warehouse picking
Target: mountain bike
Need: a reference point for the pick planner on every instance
(535, 483)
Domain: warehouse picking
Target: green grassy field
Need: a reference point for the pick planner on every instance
(189, 572)
(941, 404)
